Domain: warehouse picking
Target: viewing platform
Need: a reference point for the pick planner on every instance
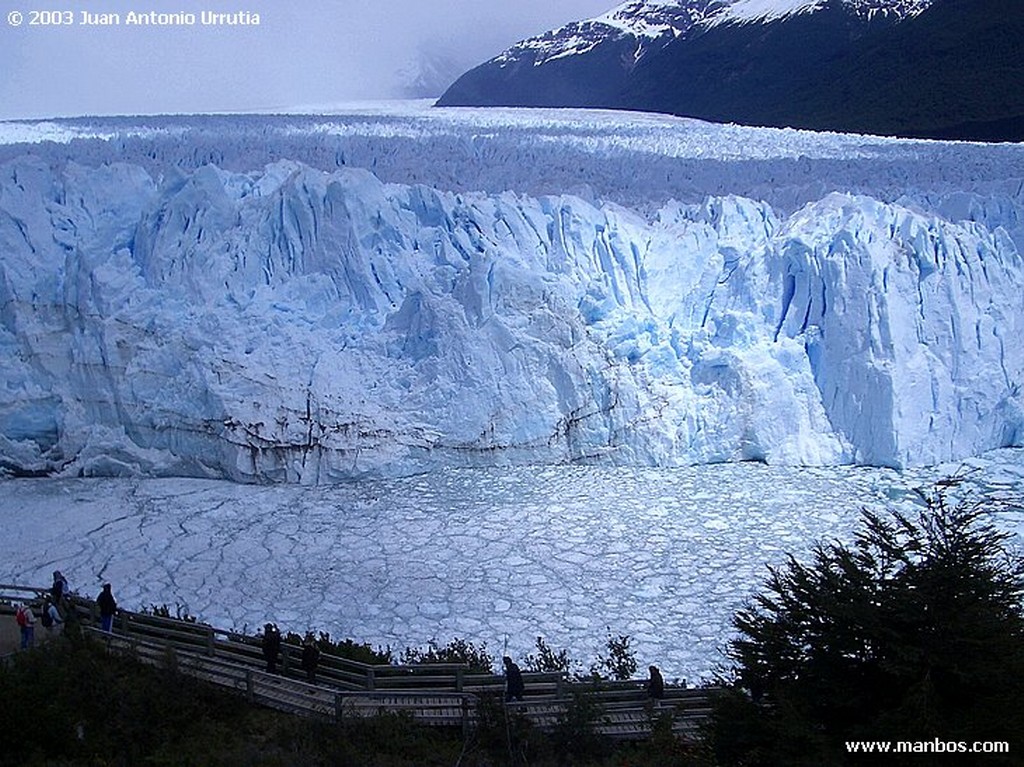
(440, 695)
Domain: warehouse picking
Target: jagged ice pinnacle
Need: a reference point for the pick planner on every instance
(294, 324)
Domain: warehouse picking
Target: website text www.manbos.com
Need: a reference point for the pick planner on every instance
(936, 746)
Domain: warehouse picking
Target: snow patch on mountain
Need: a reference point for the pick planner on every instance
(773, 10)
(654, 23)
(767, 10)
(656, 18)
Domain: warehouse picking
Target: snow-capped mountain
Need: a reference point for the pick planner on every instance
(642, 26)
(581, 63)
(300, 323)
(650, 24)
(799, 63)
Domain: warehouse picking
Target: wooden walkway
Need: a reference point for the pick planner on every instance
(445, 695)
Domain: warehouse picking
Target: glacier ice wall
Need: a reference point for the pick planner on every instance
(300, 325)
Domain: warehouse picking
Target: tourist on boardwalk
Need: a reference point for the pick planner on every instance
(310, 657)
(50, 619)
(514, 687)
(108, 608)
(656, 684)
(271, 646)
(26, 621)
(59, 589)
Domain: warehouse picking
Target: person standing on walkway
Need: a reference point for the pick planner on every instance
(514, 687)
(59, 589)
(26, 620)
(108, 608)
(271, 646)
(656, 684)
(310, 658)
(50, 619)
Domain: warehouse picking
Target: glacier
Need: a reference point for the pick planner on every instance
(310, 299)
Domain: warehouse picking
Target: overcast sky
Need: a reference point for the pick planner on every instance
(302, 53)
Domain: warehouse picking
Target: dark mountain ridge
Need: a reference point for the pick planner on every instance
(954, 71)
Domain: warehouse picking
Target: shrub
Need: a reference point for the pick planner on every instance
(502, 734)
(619, 662)
(913, 633)
(72, 702)
(344, 648)
(547, 660)
(180, 613)
(456, 651)
(575, 738)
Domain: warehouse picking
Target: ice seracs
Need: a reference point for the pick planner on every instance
(297, 324)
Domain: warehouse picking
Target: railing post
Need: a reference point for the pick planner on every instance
(284, 660)
(560, 686)
(211, 645)
(250, 692)
(339, 707)
(125, 621)
(371, 682)
(459, 679)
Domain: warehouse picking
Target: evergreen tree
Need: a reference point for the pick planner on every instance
(912, 633)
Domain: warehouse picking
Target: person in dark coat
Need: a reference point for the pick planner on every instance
(108, 608)
(656, 684)
(310, 658)
(514, 687)
(59, 589)
(271, 646)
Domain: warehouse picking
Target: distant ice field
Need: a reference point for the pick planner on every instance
(635, 159)
(496, 556)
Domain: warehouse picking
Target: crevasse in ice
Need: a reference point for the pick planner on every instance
(306, 325)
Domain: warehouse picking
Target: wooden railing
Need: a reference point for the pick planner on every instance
(446, 695)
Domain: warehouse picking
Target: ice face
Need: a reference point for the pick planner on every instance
(304, 325)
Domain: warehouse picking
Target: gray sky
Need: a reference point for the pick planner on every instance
(317, 52)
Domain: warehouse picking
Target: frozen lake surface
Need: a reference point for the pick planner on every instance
(498, 556)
